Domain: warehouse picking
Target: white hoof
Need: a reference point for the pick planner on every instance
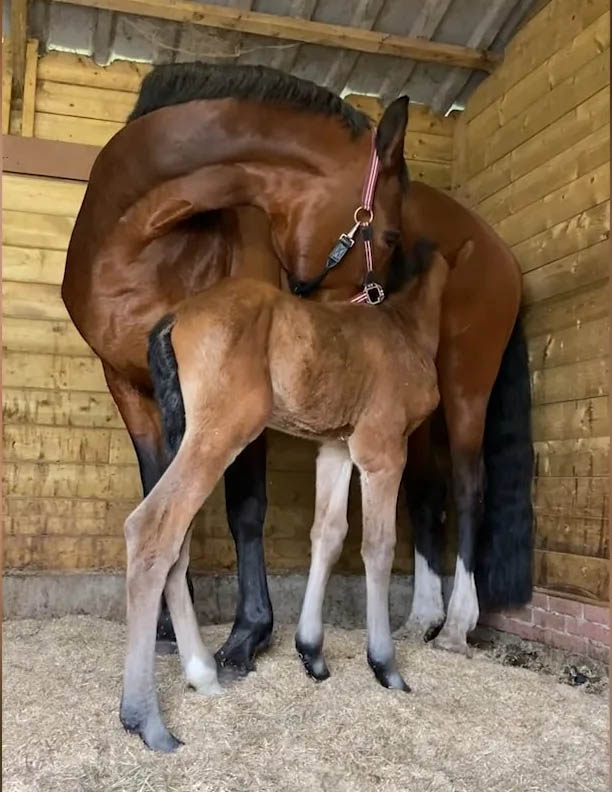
(202, 677)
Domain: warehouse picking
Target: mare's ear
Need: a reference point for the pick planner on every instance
(391, 132)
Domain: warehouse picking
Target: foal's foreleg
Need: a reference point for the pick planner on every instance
(334, 467)
(379, 490)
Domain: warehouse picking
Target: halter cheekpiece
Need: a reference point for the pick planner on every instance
(372, 292)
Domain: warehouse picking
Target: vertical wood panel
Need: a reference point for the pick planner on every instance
(29, 89)
(532, 155)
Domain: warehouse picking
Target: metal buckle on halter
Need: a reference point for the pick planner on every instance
(374, 293)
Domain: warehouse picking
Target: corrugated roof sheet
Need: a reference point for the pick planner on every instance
(483, 24)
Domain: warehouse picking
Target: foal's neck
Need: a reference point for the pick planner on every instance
(418, 306)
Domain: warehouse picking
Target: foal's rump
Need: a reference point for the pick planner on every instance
(213, 347)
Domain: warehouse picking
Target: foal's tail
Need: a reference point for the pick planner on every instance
(504, 553)
(167, 388)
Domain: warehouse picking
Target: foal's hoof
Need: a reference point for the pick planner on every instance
(388, 675)
(153, 733)
(312, 660)
(452, 642)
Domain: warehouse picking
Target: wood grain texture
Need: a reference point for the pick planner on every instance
(559, 23)
(29, 89)
(7, 84)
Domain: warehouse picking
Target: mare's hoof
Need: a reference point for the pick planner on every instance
(230, 668)
(388, 675)
(452, 642)
(235, 658)
(312, 660)
(165, 647)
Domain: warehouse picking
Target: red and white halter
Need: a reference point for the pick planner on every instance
(372, 292)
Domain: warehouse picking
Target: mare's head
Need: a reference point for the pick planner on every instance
(330, 203)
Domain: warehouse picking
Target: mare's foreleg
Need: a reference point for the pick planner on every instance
(245, 500)
(327, 535)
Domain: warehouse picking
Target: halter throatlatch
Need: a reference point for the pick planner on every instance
(372, 292)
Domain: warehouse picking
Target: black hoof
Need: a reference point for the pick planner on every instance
(432, 632)
(312, 660)
(235, 659)
(388, 675)
(165, 647)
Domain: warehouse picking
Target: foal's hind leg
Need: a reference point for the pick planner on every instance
(379, 490)
(327, 536)
(198, 663)
(141, 416)
(245, 499)
(155, 535)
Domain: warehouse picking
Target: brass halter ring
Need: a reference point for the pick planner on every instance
(360, 220)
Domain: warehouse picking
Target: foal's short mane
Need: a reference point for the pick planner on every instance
(404, 266)
(176, 83)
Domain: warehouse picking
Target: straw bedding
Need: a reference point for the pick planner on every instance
(472, 725)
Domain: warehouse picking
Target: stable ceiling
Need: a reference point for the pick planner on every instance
(108, 35)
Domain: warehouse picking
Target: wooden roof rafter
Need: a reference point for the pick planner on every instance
(300, 30)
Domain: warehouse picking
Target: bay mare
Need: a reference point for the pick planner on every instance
(144, 241)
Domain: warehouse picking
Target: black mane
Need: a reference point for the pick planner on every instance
(176, 83)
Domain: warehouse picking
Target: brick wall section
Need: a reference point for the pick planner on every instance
(562, 623)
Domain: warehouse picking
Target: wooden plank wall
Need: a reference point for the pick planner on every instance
(70, 475)
(532, 154)
(77, 101)
(70, 471)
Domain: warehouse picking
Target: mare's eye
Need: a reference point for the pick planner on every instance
(391, 238)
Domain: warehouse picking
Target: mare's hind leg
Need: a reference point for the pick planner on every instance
(327, 536)
(379, 489)
(465, 418)
(245, 499)
(425, 489)
(141, 417)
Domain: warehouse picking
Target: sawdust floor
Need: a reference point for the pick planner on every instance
(472, 725)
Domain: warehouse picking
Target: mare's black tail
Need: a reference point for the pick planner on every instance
(504, 551)
(166, 385)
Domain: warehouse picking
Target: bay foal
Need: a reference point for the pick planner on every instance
(243, 356)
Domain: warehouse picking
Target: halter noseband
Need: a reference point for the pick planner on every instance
(372, 292)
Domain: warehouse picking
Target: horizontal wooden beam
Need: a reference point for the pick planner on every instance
(51, 158)
(300, 30)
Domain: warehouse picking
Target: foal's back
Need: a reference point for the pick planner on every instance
(315, 370)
